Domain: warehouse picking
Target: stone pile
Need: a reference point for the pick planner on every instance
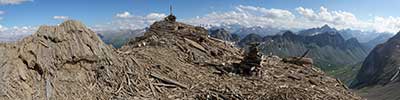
(251, 63)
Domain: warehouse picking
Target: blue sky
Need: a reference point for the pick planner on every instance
(21, 17)
(39, 12)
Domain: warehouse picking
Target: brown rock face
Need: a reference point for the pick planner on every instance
(57, 61)
(171, 61)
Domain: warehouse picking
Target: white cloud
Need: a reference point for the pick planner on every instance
(10, 34)
(13, 2)
(248, 16)
(269, 13)
(382, 24)
(155, 16)
(306, 18)
(339, 19)
(342, 19)
(124, 15)
(60, 17)
(126, 20)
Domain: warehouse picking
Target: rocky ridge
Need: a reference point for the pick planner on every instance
(378, 77)
(328, 50)
(171, 61)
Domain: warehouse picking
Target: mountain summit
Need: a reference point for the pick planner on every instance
(320, 30)
(326, 27)
(172, 60)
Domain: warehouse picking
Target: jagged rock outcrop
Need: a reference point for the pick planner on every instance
(65, 61)
(172, 60)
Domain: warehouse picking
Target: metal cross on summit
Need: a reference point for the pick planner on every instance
(170, 10)
(171, 17)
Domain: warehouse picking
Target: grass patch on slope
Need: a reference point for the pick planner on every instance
(345, 74)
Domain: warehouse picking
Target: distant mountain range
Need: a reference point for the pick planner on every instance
(221, 33)
(117, 38)
(381, 38)
(367, 38)
(327, 45)
(243, 31)
(318, 30)
(331, 47)
(328, 49)
(262, 31)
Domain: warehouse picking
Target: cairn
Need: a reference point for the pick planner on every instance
(252, 60)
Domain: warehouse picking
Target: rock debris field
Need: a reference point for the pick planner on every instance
(172, 60)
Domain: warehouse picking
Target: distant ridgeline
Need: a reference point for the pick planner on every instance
(327, 49)
(117, 38)
(337, 56)
(328, 46)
